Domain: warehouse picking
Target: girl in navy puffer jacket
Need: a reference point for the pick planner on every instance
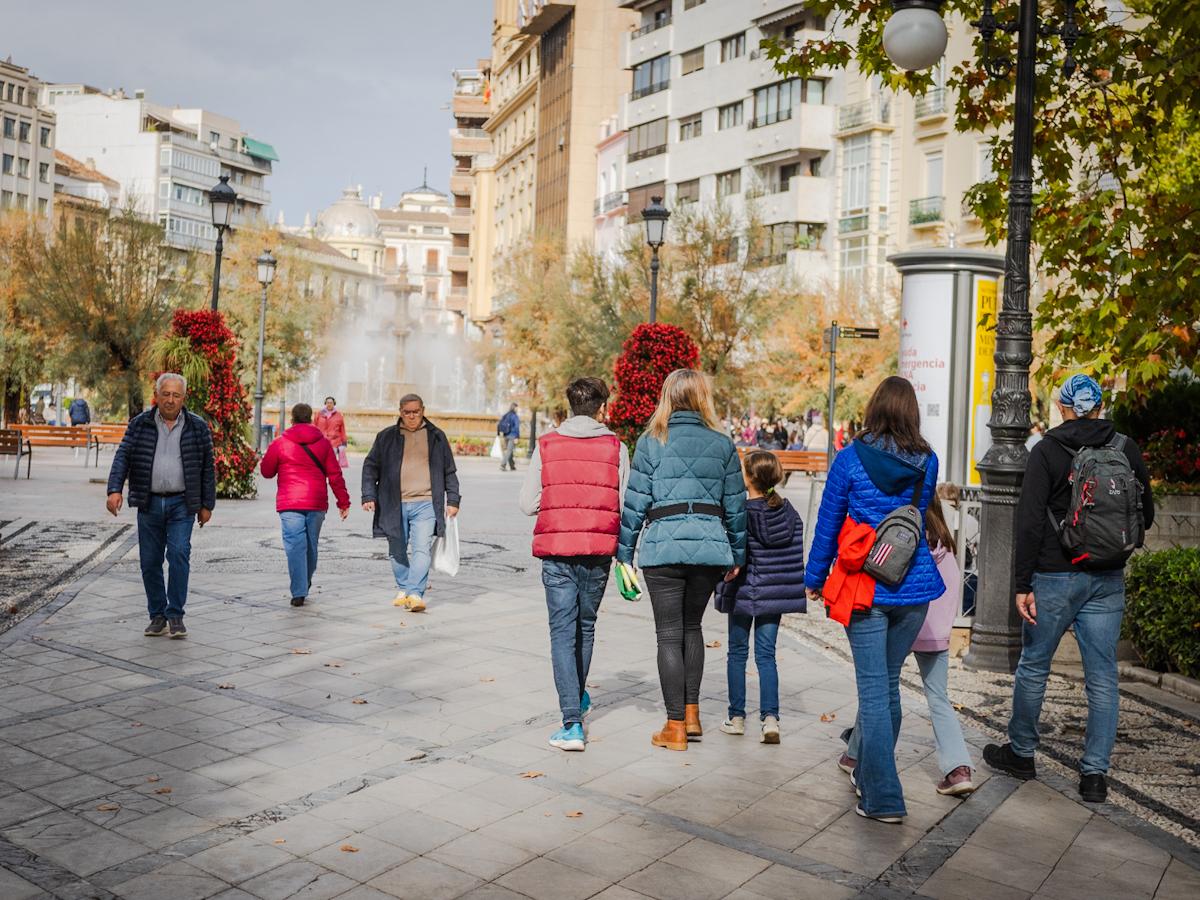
(771, 584)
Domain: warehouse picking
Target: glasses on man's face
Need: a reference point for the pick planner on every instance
(409, 413)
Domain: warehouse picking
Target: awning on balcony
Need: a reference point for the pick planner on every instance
(784, 16)
(259, 149)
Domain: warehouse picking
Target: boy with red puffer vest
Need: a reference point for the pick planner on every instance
(575, 487)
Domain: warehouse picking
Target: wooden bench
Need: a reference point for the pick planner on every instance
(807, 461)
(13, 443)
(56, 436)
(105, 434)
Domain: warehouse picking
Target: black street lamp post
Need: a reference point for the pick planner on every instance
(915, 38)
(655, 216)
(266, 274)
(221, 199)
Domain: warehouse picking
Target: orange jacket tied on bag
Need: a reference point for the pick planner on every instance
(848, 587)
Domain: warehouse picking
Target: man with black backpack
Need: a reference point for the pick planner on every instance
(1084, 508)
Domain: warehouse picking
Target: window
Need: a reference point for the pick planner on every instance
(773, 103)
(10, 125)
(852, 257)
(856, 173)
(214, 137)
(651, 76)
(431, 260)
(687, 191)
(44, 137)
(21, 96)
(42, 204)
(22, 167)
(185, 194)
(164, 190)
(8, 164)
(25, 132)
(933, 174)
(354, 253)
(733, 46)
(730, 116)
(5, 199)
(433, 229)
(729, 183)
(690, 127)
(813, 90)
(11, 87)
(639, 197)
(692, 61)
(692, 4)
(22, 201)
(44, 173)
(648, 140)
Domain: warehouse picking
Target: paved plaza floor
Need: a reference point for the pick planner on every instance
(350, 749)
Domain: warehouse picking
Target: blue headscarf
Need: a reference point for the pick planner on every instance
(1081, 393)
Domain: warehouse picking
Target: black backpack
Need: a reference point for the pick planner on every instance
(896, 541)
(1104, 523)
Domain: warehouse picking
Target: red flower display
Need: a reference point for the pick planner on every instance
(647, 357)
(222, 400)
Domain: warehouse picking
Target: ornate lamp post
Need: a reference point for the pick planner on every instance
(915, 38)
(266, 274)
(221, 198)
(655, 216)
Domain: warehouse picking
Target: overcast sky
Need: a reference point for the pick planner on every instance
(347, 91)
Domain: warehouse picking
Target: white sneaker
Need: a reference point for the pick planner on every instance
(736, 725)
(770, 730)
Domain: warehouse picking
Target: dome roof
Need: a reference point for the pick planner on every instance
(349, 217)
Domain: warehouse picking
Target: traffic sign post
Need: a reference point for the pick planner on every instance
(831, 336)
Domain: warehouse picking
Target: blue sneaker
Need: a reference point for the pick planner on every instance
(569, 737)
(585, 705)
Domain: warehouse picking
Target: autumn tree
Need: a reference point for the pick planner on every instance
(23, 343)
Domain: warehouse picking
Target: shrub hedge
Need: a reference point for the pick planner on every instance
(1162, 609)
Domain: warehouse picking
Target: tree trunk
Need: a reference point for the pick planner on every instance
(135, 397)
(12, 402)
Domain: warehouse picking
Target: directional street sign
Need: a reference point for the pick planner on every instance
(866, 334)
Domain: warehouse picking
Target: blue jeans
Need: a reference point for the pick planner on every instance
(1094, 603)
(766, 631)
(165, 532)
(419, 523)
(301, 531)
(947, 732)
(880, 639)
(574, 587)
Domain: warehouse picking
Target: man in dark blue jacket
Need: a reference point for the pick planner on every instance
(167, 458)
(509, 429)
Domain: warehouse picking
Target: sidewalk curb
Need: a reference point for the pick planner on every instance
(1188, 688)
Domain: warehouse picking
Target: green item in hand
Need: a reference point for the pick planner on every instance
(627, 582)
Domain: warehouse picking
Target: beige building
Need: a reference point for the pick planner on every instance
(469, 145)
(27, 142)
(83, 196)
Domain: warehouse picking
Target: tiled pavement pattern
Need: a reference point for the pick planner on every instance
(238, 764)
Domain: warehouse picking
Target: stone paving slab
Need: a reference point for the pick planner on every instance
(242, 763)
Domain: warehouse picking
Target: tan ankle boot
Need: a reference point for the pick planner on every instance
(691, 721)
(673, 736)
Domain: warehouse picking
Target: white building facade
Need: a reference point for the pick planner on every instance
(27, 141)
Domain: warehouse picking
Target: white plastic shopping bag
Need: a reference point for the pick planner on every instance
(445, 550)
(497, 448)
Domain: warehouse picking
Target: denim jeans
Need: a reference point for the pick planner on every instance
(574, 586)
(165, 532)
(880, 639)
(301, 531)
(419, 524)
(766, 631)
(1094, 603)
(947, 732)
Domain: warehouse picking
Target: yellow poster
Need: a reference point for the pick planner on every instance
(983, 372)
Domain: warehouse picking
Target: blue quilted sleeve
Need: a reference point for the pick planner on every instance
(734, 501)
(834, 504)
(638, 496)
(931, 477)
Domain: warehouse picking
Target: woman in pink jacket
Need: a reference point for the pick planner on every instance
(304, 461)
(333, 426)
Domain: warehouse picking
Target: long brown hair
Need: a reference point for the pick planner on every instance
(683, 389)
(936, 530)
(893, 412)
(763, 473)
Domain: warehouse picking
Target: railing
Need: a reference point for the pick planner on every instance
(770, 118)
(650, 89)
(610, 201)
(649, 151)
(875, 111)
(926, 210)
(931, 103)
(242, 160)
(469, 133)
(653, 26)
(460, 251)
(847, 224)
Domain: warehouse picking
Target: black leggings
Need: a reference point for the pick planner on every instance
(679, 596)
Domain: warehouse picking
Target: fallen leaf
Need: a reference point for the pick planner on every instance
(280, 841)
(329, 696)
(359, 701)
(420, 754)
(152, 778)
(487, 680)
(713, 644)
(108, 807)
(301, 651)
(532, 774)
(547, 815)
(348, 848)
(333, 665)
(828, 717)
(381, 627)
(575, 814)
(593, 685)
(225, 687)
(135, 725)
(162, 790)
(957, 706)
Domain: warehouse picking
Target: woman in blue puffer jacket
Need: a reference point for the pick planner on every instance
(686, 489)
(871, 478)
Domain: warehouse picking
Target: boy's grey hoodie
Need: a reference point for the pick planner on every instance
(577, 427)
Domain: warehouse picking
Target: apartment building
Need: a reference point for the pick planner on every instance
(27, 142)
(83, 196)
(611, 209)
(468, 142)
(166, 159)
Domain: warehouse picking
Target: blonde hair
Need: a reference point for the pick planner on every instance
(683, 389)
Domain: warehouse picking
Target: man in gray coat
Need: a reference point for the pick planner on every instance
(410, 483)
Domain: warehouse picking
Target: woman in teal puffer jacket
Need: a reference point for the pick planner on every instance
(686, 489)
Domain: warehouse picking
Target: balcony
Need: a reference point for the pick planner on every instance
(649, 89)
(610, 201)
(462, 184)
(456, 299)
(460, 220)
(805, 199)
(926, 211)
(931, 104)
(647, 152)
(457, 263)
(652, 26)
(807, 126)
(865, 114)
(469, 141)
(539, 16)
(469, 106)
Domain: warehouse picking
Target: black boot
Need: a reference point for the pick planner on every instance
(1001, 758)
(297, 601)
(1093, 788)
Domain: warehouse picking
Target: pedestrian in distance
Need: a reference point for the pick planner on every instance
(330, 423)
(686, 501)
(305, 462)
(1085, 505)
(887, 469)
(166, 456)
(410, 485)
(79, 413)
(575, 484)
(932, 652)
(769, 585)
(509, 430)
